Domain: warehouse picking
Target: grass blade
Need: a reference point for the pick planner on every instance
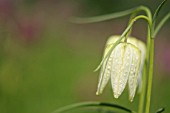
(92, 104)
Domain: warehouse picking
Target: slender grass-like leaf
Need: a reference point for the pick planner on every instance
(81, 20)
(158, 10)
(102, 17)
(160, 110)
(92, 104)
(161, 24)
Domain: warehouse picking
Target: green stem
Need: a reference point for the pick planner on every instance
(151, 63)
(150, 52)
(92, 104)
(144, 79)
(123, 35)
(142, 96)
(141, 8)
(147, 11)
(131, 18)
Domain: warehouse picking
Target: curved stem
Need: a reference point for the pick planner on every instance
(131, 18)
(92, 104)
(151, 63)
(144, 78)
(150, 51)
(123, 35)
(147, 11)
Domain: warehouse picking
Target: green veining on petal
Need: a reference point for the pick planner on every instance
(105, 71)
(118, 66)
(133, 77)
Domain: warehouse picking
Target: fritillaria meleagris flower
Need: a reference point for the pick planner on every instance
(123, 66)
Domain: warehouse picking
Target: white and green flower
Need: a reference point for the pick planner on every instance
(124, 66)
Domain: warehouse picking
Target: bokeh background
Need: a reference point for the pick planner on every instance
(46, 62)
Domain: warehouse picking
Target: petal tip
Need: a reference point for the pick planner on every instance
(97, 93)
(116, 95)
(131, 99)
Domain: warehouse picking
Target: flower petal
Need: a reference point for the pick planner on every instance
(134, 71)
(120, 68)
(105, 72)
(139, 44)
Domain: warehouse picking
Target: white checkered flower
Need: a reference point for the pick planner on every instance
(124, 66)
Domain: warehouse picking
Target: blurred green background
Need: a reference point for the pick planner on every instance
(46, 62)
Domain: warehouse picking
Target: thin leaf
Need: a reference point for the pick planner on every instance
(161, 24)
(102, 17)
(134, 71)
(92, 104)
(160, 110)
(120, 68)
(158, 10)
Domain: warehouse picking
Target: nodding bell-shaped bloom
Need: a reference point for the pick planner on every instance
(123, 66)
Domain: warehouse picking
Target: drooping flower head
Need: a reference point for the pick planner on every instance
(123, 66)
